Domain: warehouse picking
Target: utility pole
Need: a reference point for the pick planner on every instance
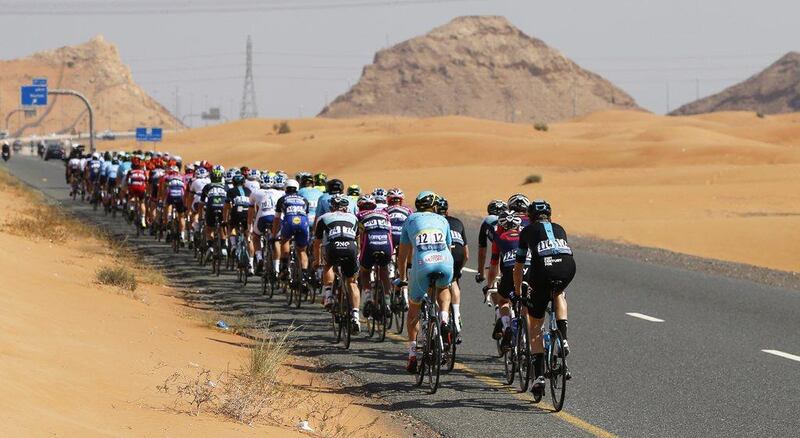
(697, 89)
(667, 86)
(249, 109)
(177, 103)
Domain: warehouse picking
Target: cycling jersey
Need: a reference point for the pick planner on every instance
(155, 179)
(459, 238)
(112, 171)
(376, 237)
(252, 185)
(137, 182)
(264, 201)
(104, 168)
(504, 255)
(552, 265)
(429, 235)
(337, 231)
(294, 218)
(214, 198)
(487, 231)
(239, 199)
(74, 164)
(324, 206)
(94, 169)
(397, 216)
(312, 195)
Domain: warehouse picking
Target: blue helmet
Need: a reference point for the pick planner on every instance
(426, 200)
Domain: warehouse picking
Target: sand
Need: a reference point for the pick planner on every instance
(81, 359)
(721, 185)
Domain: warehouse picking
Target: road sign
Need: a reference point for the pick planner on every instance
(153, 134)
(39, 82)
(33, 95)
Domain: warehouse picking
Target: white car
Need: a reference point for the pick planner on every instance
(107, 135)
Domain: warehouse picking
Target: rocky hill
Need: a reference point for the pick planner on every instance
(773, 91)
(94, 69)
(480, 67)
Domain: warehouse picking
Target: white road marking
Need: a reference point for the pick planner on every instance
(783, 355)
(644, 317)
(469, 270)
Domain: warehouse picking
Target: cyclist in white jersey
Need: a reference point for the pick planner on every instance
(260, 217)
(194, 195)
(253, 181)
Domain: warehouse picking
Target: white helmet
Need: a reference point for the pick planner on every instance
(292, 184)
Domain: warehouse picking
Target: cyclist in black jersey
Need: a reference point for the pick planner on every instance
(460, 252)
(486, 234)
(552, 269)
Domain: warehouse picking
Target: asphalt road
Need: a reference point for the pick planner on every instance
(700, 371)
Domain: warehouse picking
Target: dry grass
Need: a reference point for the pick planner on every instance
(533, 179)
(47, 222)
(119, 276)
(541, 127)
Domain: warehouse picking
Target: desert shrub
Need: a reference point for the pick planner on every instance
(540, 126)
(118, 276)
(533, 179)
(760, 115)
(284, 128)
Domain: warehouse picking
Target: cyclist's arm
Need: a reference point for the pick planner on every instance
(403, 256)
(522, 255)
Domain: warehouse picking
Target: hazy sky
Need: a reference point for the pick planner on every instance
(310, 51)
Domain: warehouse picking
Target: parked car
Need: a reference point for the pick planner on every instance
(107, 135)
(17, 145)
(54, 150)
(3, 134)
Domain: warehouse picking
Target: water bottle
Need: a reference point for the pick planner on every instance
(514, 327)
(546, 340)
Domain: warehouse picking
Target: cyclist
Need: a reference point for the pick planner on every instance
(486, 235)
(291, 220)
(504, 253)
(235, 214)
(194, 197)
(253, 179)
(398, 213)
(460, 252)
(321, 182)
(136, 181)
(173, 192)
(336, 230)
(334, 187)
(155, 176)
(229, 179)
(262, 215)
(93, 174)
(311, 194)
(375, 243)
(111, 180)
(551, 270)
(214, 198)
(425, 240)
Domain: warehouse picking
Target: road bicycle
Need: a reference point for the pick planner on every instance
(242, 255)
(342, 307)
(268, 275)
(429, 338)
(380, 313)
(517, 360)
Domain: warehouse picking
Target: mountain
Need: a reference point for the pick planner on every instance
(94, 69)
(773, 91)
(478, 66)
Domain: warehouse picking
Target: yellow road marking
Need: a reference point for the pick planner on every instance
(497, 383)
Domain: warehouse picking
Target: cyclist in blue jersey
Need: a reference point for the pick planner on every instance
(311, 194)
(425, 241)
(291, 220)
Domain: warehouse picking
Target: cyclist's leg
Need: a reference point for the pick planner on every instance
(301, 240)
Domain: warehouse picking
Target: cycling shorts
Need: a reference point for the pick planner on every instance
(343, 253)
(424, 265)
(238, 219)
(554, 277)
(297, 227)
(459, 254)
(177, 203)
(213, 216)
(136, 192)
(263, 224)
(369, 258)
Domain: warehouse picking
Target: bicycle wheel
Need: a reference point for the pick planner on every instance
(451, 354)
(384, 316)
(524, 365)
(217, 253)
(422, 359)
(510, 364)
(499, 341)
(399, 312)
(434, 364)
(346, 316)
(556, 371)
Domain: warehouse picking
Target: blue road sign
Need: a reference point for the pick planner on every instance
(33, 95)
(153, 134)
(39, 82)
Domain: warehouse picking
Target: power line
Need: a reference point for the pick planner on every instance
(89, 8)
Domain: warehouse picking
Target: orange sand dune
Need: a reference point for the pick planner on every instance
(716, 185)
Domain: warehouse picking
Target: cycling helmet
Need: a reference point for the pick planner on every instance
(279, 182)
(266, 179)
(220, 168)
(190, 168)
(115, 161)
(174, 169)
(518, 203)
(292, 185)
(509, 220)
(540, 208)
(339, 202)
(335, 186)
(379, 192)
(321, 179)
(443, 205)
(395, 195)
(107, 156)
(283, 174)
(426, 200)
(136, 165)
(496, 206)
(367, 202)
(229, 174)
(354, 190)
(253, 174)
(201, 173)
(305, 179)
(237, 180)
(216, 176)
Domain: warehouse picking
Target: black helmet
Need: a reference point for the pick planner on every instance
(427, 200)
(496, 206)
(335, 186)
(443, 205)
(509, 220)
(238, 179)
(339, 201)
(539, 208)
